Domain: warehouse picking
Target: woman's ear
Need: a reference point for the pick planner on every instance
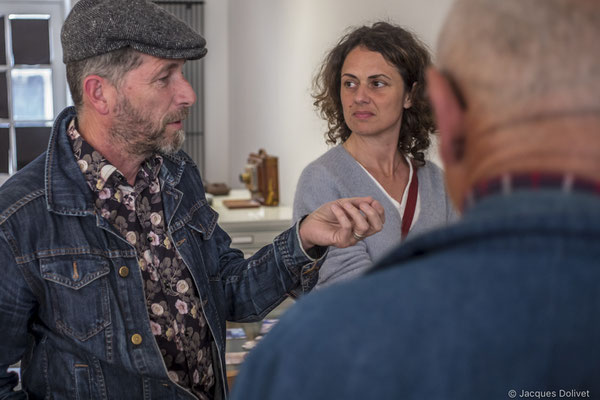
(96, 92)
(409, 96)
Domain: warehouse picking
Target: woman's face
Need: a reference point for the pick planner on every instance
(372, 93)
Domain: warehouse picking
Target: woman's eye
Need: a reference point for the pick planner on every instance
(378, 84)
(349, 84)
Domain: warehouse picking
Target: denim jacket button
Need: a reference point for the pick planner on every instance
(123, 271)
(136, 339)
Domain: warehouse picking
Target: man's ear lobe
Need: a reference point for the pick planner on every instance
(95, 91)
(449, 112)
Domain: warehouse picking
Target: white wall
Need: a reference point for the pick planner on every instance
(262, 55)
(274, 48)
(216, 91)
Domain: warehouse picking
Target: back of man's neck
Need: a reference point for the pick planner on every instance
(562, 145)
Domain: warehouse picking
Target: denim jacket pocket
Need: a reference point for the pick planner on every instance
(83, 390)
(78, 289)
(201, 225)
(203, 220)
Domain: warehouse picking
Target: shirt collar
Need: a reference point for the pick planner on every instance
(509, 183)
(98, 171)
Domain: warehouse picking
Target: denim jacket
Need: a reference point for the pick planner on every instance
(72, 304)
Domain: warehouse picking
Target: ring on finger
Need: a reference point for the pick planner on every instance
(357, 236)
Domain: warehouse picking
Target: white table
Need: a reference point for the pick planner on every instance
(251, 228)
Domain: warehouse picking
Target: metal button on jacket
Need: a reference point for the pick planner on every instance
(136, 339)
(123, 271)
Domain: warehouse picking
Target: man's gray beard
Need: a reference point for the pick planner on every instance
(173, 146)
(138, 136)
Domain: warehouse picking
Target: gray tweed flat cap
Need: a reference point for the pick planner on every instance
(95, 27)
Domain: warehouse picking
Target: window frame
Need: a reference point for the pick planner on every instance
(55, 9)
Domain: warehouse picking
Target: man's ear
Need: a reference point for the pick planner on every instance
(449, 113)
(96, 91)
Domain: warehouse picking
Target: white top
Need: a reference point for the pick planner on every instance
(402, 205)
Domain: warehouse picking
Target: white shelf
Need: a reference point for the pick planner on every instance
(251, 228)
(262, 214)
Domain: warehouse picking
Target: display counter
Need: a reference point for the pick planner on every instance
(251, 228)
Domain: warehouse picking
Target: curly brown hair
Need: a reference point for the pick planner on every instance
(409, 55)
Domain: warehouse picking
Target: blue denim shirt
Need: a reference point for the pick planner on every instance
(72, 305)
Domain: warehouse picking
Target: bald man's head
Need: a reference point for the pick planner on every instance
(517, 58)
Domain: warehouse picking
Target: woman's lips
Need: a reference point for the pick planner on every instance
(363, 114)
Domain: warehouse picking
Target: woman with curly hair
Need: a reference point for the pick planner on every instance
(370, 90)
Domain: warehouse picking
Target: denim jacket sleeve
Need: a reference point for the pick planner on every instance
(252, 287)
(16, 307)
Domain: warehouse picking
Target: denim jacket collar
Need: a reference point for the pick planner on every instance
(66, 190)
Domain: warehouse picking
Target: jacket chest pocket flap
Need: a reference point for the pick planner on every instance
(202, 224)
(79, 296)
(203, 221)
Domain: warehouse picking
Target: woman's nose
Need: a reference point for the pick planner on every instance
(361, 95)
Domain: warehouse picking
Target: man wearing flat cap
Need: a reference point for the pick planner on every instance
(116, 278)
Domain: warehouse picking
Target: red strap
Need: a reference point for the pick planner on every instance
(411, 204)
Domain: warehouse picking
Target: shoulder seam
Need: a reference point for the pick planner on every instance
(19, 204)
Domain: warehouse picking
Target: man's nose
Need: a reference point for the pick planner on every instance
(185, 93)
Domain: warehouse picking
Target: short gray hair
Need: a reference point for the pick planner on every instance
(513, 57)
(112, 66)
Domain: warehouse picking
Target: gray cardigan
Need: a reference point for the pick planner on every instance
(336, 174)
